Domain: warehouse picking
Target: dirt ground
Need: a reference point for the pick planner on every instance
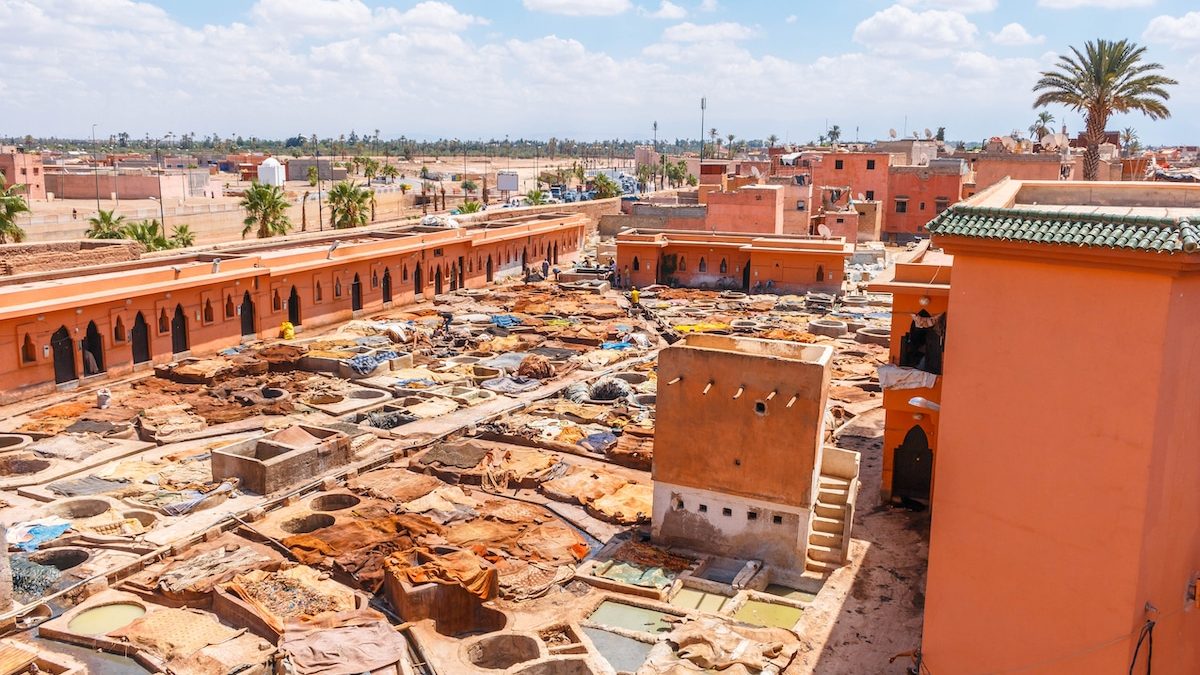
(880, 616)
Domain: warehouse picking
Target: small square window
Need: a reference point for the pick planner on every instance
(799, 204)
(704, 508)
(870, 165)
(752, 515)
(870, 195)
(841, 220)
(839, 164)
(778, 520)
(901, 206)
(922, 206)
(727, 512)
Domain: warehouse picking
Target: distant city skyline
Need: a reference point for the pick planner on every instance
(586, 70)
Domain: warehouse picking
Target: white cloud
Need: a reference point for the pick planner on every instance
(577, 8)
(1015, 35)
(962, 6)
(1100, 4)
(666, 10)
(1180, 33)
(900, 31)
(708, 6)
(792, 18)
(431, 14)
(712, 32)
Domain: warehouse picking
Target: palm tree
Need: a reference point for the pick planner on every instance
(104, 226)
(1130, 144)
(1041, 126)
(834, 134)
(147, 233)
(312, 176)
(772, 140)
(1107, 77)
(11, 203)
(712, 133)
(349, 205)
(390, 172)
(182, 236)
(470, 206)
(304, 211)
(266, 208)
(730, 146)
(469, 186)
(535, 197)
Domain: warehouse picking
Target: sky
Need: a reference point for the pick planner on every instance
(582, 69)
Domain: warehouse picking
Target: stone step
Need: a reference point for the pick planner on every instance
(830, 539)
(825, 554)
(820, 567)
(834, 482)
(830, 525)
(833, 495)
(835, 511)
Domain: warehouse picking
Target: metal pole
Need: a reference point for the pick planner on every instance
(317, 158)
(703, 105)
(96, 170)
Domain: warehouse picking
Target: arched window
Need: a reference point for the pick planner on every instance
(119, 330)
(637, 265)
(404, 271)
(703, 265)
(470, 265)
(724, 266)
(374, 279)
(337, 288)
(682, 263)
(208, 311)
(318, 293)
(820, 273)
(164, 324)
(229, 311)
(28, 351)
(276, 301)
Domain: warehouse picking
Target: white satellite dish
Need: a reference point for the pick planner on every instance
(1048, 142)
(862, 197)
(1061, 140)
(916, 135)
(949, 150)
(1008, 143)
(928, 133)
(755, 172)
(892, 133)
(824, 230)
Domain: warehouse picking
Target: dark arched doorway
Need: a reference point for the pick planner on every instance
(247, 309)
(140, 339)
(490, 274)
(453, 277)
(417, 288)
(524, 256)
(64, 355)
(294, 307)
(437, 281)
(912, 466)
(745, 276)
(556, 253)
(93, 351)
(179, 336)
(356, 294)
(387, 285)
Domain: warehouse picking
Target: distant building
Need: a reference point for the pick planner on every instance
(271, 172)
(23, 168)
(297, 169)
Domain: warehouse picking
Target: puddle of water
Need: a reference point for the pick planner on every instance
(649, 577)
(622, 653)
(762, 613)
(790, 593)
(690, 598)
(620, 615)
(96, 661)
(722, 571)
(105, 618)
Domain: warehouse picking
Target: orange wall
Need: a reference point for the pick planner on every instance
(1066, 472)
(278, 275)
(754, 209)
(991, 168)
(854, 173)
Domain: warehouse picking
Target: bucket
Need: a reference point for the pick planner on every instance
(103, 398)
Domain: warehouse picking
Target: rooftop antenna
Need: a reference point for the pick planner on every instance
(916, 135)
(891, 133)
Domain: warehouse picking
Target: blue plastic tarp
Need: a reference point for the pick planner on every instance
(505, 320)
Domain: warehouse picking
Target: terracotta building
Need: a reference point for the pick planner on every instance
(1066, 518)
(738, 451)
(747, 208)
(920, 287)
(769, 263)
(58, 327)
(864, 173)
(23, 168)
(919, 192)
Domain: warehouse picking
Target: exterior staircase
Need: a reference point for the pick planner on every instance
(833, 513)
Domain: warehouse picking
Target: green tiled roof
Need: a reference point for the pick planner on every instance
(1135, 233)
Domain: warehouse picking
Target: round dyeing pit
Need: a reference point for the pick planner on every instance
(13, 442)
(335, 502)
(827, 327)
(76, 509)
(646, 400)
(305, 524)
(874, 336)
(574, 666)
(61, 559)
(497, 652)
(274, 393)
(22, 466)
(105, 618)
(631, 378)
(367, 394)
(854, 300)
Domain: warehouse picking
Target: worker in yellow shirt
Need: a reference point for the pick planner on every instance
(634, 296)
